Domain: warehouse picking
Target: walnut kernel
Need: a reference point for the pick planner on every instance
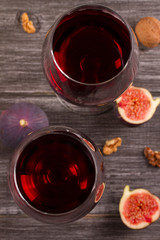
(111, 145)
(153, 157)
(27, 24)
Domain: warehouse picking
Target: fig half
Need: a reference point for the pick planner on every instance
(136, 105)
(138, 208)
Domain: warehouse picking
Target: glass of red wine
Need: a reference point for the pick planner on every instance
(90, 57)
(56, 175)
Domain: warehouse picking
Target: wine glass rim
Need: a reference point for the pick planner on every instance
(96, 7)
(40, 133)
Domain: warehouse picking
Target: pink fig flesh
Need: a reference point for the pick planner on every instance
(136, 105)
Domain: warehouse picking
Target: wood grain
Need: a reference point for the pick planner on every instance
(88, 228)
(22, 79)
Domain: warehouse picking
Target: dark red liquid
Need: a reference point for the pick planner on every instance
(55, 173)
(91, 46)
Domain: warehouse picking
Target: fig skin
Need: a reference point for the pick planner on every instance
(126, 194)
(19, 120)
(132, 123)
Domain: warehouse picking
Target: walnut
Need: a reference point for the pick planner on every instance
(111, 145)
(148, 31)
(153, 157)
(27, 24)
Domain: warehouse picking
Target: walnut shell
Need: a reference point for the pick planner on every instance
(148, 31)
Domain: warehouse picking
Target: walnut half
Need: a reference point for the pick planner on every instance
(152, 156)
(111, 145)
(27, 24)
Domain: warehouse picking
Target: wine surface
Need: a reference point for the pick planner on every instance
(55, 173)
(91, 46)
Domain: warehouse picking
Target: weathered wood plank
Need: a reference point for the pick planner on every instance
(87, 228)
(22, 79)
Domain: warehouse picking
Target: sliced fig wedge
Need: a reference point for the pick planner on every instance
(136, 105)
(138, 208)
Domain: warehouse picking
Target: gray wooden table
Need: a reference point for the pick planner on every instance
(22, 79)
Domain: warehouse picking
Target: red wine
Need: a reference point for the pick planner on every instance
(90, 57)
(91, 46)
(55, 173)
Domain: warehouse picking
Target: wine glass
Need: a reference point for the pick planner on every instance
(56, 175)
(90, 57)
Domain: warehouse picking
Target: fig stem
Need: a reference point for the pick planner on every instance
(126, 189)
(23, 123)
(157, 101)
